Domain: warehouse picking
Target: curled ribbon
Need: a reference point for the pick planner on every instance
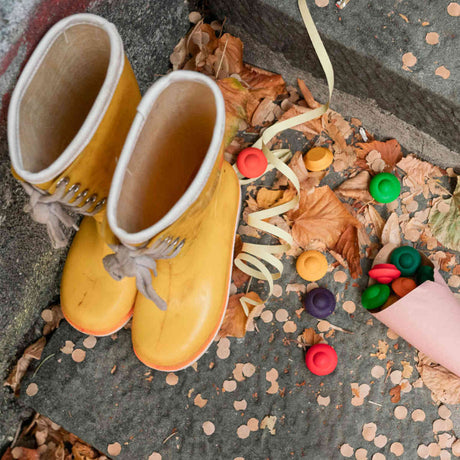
(257, 254)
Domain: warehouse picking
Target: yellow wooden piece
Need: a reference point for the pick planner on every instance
(311, 265)
(318, 159)
(91, 300)
(194, 284)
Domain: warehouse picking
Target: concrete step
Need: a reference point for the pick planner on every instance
(366, 42)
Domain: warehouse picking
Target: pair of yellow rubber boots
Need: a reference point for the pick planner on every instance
(150, 177)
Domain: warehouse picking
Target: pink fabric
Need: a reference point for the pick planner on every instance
(429, 319)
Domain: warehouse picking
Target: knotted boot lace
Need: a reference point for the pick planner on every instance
(139, 262)
(53, 209)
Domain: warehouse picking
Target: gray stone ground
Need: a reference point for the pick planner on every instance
(90, 401)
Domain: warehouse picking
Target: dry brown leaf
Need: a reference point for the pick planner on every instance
(238, 276)
(54, 320)
(309, 338)
(265, 113)
(444, 385)
(310, 129)
(357, 187)
(309, 99)
(376, 219)
(391, 232)
(269, 423)
(33, 351)
(234, 324)
(348, 247)
(395, 393)
(390, 152)
(343, 126)
(320, 216)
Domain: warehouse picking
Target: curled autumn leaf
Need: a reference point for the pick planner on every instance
(234, 324)
(390, 152)
(320, 216)
(444, 385)
(348, 247)
(357, 187)
(444, 220)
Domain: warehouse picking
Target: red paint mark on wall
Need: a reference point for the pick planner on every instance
(46, 14)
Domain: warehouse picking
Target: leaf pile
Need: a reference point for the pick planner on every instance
(43, 439)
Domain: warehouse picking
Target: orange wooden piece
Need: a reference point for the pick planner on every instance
(403, 286)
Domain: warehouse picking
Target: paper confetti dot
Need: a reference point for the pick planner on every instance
(222, 353)
(445, 440)
(442, 425)
(229, 385)
(445, 455)
(432, 38)
(248, 369)
(456, 448)
(400, 412)
(289, 327)
(266, 316)
(444, 412)
(32, 389)
(340, 276)
(68, 347)
(454, 281)
(271, 375)
(377, 372)
(418, 415)
(253, 424)
(194, 17)
(281, 315)
(380, 440)
(172, 379)
(155, 456)
(243, 431)
(361, 454)
(346, 450)
(378, 456)
(114, 449)
(397, 449)
(369, 431)
(90, 342)
(47, 315)
(443, 72)
(453, 9)
(238, 372)
(199, 401)
(277, 290)
(240, 405)
(208, 428)
(323, 401)
(422, 451)
(349, 306)
(78, 355)
(434, 450)
(392, 335)
(408, 60)
(311, 286)
(396, 377)
(321, 3)
(324, 326)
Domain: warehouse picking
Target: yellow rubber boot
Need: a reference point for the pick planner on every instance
(174, 206)
(68, 119)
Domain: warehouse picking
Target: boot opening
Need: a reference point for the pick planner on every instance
(168, 154)
(61, 93)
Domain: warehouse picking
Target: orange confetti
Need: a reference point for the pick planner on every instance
(442, 72)
(114, 449)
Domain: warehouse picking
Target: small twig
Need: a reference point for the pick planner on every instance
(221, 60)
(16, 436)
(377, 404)
(222, 28)
(40, 365)
(174, 432)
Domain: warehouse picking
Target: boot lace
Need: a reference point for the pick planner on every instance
(54, 209)
(140, 262)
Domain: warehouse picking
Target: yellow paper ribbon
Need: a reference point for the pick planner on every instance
(257, 254)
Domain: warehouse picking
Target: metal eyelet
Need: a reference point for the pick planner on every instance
(91, 199)
(74, 188)
(63, 180)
